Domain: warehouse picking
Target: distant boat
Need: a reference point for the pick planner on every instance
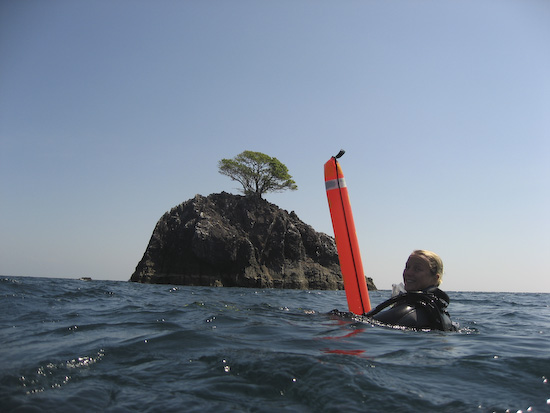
(85, 279)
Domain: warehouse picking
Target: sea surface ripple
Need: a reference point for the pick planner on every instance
(118, 346)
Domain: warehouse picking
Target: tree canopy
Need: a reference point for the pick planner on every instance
(258, 173)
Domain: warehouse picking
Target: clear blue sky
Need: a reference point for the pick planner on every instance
(113, 112)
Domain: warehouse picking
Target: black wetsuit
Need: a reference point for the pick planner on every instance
(426, 309)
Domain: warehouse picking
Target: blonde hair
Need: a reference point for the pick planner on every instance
(435, 262)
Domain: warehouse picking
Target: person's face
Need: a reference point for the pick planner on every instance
(417, 274)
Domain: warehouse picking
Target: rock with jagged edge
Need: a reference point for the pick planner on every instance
(238, 241)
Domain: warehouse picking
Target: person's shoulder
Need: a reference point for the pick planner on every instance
(442, 295)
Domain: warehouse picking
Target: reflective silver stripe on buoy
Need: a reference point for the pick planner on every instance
(335, 184)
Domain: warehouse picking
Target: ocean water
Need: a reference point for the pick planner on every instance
(71, 345)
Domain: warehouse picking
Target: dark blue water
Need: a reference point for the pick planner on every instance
(70, 345)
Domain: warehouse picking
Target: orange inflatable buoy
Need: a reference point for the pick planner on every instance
(347, 245)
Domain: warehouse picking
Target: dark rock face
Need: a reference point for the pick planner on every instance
(237, 241)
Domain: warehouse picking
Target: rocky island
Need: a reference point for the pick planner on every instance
(239, 241)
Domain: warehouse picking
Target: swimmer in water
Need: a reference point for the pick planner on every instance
(422, 305)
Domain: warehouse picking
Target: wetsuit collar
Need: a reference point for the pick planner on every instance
(442, 295)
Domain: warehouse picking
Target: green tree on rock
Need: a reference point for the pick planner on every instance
(258, 173)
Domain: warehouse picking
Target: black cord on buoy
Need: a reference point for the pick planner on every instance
(340, 154)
